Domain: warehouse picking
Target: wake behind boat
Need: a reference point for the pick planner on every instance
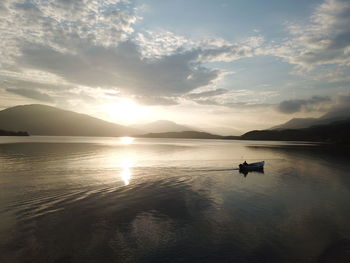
(258, 166)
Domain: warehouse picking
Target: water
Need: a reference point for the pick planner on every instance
(72, 199)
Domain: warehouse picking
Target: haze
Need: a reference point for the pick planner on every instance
(223, 66)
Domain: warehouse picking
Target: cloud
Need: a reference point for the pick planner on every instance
(298, 105)
(90, 43)
(48, 91)
(325, 40)
(64, 25)
(122, 68)
(93, 44)
(154, 100)
(32, 94)
(155, 44)
(205, 94)
(234, 105)
(234, 99)
(226, 53)
(3, 8)
(23, 83)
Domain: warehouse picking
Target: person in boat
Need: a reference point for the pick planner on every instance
(245, 163)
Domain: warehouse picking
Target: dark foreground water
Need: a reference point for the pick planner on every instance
(160, 200)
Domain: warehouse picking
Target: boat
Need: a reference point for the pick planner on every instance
(258, 166)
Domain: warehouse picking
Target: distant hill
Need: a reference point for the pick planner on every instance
(13, 133)
(161, 126)
(39, 119)
(336, 114)
(187, 135)
(337, 132)
(183, 135)
(221, 130)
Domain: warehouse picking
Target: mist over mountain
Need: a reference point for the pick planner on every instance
(37, 119)
(162, 126)
(296, 123)
(338, 113)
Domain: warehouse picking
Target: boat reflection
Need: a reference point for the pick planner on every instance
(126, 174)
(246, 172)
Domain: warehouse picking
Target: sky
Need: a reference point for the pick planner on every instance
(223, 66)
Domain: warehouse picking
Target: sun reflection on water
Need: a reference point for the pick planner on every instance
(126, 165)
(127, 140)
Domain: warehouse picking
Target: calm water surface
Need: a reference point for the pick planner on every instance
(66, 199)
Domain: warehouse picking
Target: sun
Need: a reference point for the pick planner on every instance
(124, 110)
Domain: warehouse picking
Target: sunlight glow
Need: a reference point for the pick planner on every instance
(127, 140)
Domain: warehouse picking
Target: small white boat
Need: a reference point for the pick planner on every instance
(252, 166)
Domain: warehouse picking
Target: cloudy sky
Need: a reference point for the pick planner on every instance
(224, 66)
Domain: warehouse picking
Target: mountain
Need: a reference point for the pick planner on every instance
(188, 135)
(296, 123)
(39, 119)
(183, 135)
(336, 114)
(161, 126)
(337, 132)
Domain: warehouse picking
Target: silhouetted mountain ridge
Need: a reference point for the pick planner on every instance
(337, 132)
(39, 119)
(13, 133)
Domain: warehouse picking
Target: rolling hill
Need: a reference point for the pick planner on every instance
(37, 119)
